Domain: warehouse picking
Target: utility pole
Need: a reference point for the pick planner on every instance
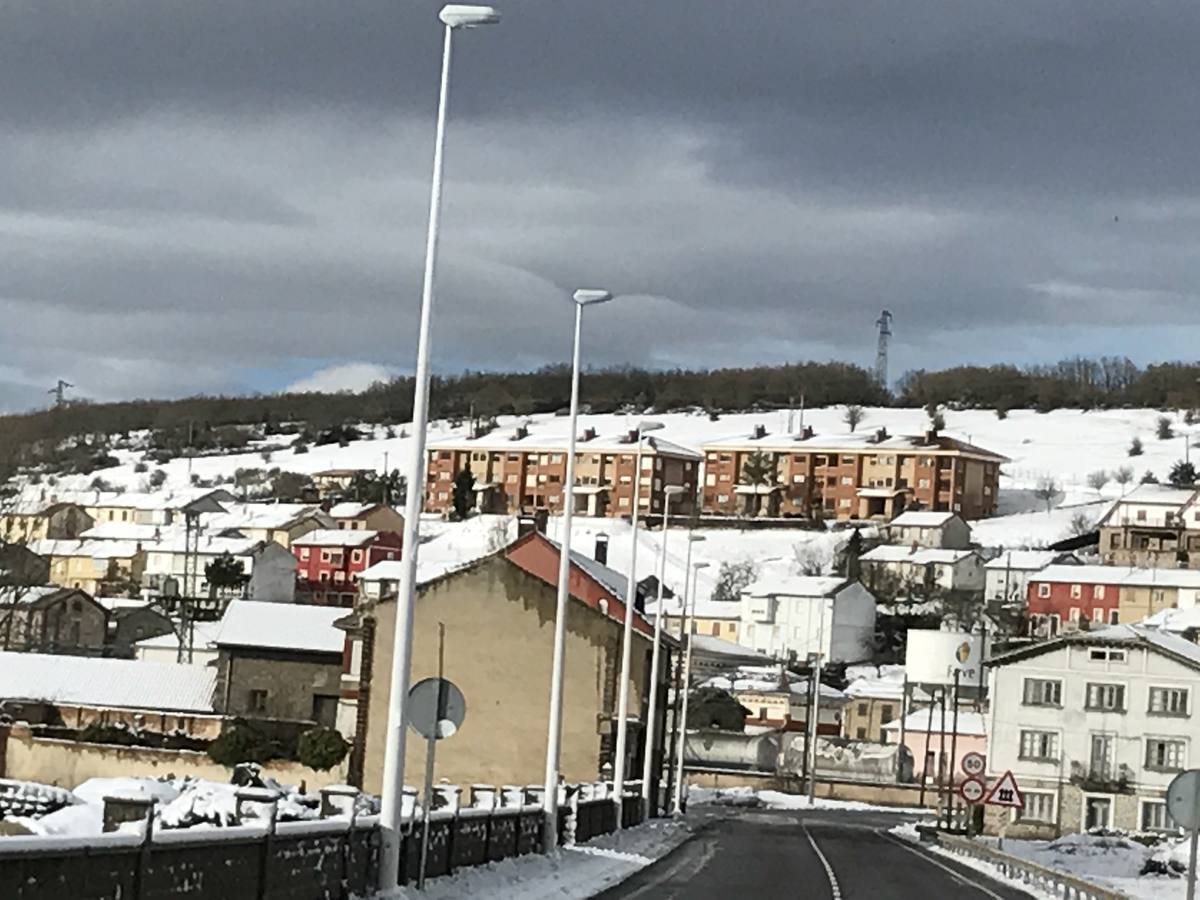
(884, 322)
(59, 392)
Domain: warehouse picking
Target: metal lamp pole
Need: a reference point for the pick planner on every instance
(652, 711)
(554, 737)
(687, 683)
(453, 16)
(627, 635)
(814, 724)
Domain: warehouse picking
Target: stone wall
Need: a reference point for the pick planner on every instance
(69, 763)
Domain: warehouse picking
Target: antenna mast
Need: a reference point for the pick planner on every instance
(881, 353)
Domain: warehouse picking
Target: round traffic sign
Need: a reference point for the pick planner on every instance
(1183, 799)
(436, 708)
(974, 764)
(972, 790)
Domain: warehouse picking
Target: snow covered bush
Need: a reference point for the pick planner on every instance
(243, 743)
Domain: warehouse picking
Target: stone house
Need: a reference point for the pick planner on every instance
(52, 619)
(922, 528)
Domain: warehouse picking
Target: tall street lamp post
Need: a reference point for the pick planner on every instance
(454, 16)
(652, 710)
(554, 737)
(627, 635)
(687, 683)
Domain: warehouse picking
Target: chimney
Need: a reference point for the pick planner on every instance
(931, 436)
(526, 524)
(589, 434)
(601, 552)
(760, 432)
(806, 433)
(630, 437)
(881, 435)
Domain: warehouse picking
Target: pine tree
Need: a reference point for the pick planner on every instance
(464, 493)
(758, 468)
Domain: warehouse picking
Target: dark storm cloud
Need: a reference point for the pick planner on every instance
(214, 192)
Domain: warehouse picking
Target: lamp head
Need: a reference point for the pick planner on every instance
(589, 297)
(645, 426)
(462, 15)
(673, 490)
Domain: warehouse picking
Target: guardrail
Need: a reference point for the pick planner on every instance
(1031, 873)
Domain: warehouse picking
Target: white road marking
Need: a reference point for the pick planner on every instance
(833, 882)
(956, 875)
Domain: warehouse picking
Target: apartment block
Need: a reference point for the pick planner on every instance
(849, 476)
(522, 472)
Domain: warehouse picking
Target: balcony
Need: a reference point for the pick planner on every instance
(1102, 778)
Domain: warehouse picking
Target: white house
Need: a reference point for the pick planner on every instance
(926, 528)
(269, 567)
(1094, 725)
(1006, 578)
(797, 615)
(897, 567)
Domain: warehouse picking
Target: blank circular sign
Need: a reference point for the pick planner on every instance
(436, 708)
(1183, 799)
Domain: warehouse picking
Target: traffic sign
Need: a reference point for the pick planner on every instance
(974, 764)
(1183, 799)
(1005, 793)
(972, 790)
(436, 708)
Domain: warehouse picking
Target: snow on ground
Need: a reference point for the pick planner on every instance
(745, 796)
(568, 873)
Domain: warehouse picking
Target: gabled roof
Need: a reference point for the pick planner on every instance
(616, 583)
(1137, 636)
(106, 683)
(281, 626)
(352, 510)
(336, 537)
(922, 519)
(1118, 575)
(1027, 560)
(796, 586)
(922, 556)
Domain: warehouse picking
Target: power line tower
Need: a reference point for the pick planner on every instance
(59, 392)
(881, 353)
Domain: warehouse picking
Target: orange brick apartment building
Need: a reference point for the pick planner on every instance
(850, 476)
(523, 472)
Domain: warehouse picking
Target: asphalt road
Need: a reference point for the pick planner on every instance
(762, 855)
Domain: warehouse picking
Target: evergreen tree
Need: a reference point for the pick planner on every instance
(225, 573)
(464, 492)
(1183, 474)
(758, 468)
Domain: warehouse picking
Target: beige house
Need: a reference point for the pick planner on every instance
(57, 521)
(95, 567)
(715, 618)
(52, 620)
(278, 522)
(366, 517)
(1153, 525)
(499, 635)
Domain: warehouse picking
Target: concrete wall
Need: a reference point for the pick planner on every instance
(70, 763)
(499, 644)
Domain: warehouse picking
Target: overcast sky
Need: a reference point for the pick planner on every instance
(231, 196)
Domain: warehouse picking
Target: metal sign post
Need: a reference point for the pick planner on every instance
(436, 708)
(1183, 804)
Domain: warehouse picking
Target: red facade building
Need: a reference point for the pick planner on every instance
(330, 560)
(1063, 598)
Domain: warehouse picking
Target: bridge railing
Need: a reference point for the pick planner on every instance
(1051, 880)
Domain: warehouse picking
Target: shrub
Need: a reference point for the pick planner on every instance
(158, 478)
(1163, 429)
(243, 743)
(1097, 480)
(321, 748)
(1135, 447)
(140, 467)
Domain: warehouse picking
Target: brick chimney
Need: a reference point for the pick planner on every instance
(806, 433)
(760, 432)
(601, 551)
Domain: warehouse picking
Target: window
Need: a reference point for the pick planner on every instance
(1076, 591)
(1043, 591)
(1039, 807)
(1098, 616)
(1039, 745)
(862, 709)
(710, 480)
(1106, 697)
(1097, 592)
(1075, 615)
(356, 556)
(846, 479)
(1154, 816)
(1168, 701)
(1141, 515)
(845, 501)
(861, 734)
(1101, 758)
(922, 482)
(1097, 812)
(339, 576)
(1106, 654)
(886, 713)
(1165, 754)
(258, 700)
(1043, 692)
(797, 479)
(1113, 617)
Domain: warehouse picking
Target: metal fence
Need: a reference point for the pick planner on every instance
(1067, 886)
(331, 858)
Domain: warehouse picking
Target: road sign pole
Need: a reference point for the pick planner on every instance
(1191, 889)
(431, 753)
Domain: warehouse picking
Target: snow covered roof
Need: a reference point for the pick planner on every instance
(922, 556)
(552, 437)
(336, 537)
(1128, 635)
(858, 442)
(263, 515)
(281, 626)
(921, 519)
(795, 586)
(1119, 575)
(1158, 495)
(93, 549)
(705, 608)
(350, 510)
(207, 544)
(204, 637)
(876, 688)
(106, 683)
(930, 719)
(610, 579)
(27, 595)
(708, 646)
(122, 531)
(1024, 560)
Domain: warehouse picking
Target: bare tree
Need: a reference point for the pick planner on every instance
(1081, 524)
(1124, 477)
(498, 535)
(1047, 490)
(809, 559)
(853, 416)
(1097, 480)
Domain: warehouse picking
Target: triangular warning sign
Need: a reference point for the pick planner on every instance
(1005, 793)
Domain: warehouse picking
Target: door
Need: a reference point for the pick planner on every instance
(325, 709)
(1102, 757)
(1097, 812)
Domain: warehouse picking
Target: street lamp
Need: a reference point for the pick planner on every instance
(670, 493)
(453, 16)
(687, 683)
(627, 636)
(554, 738)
